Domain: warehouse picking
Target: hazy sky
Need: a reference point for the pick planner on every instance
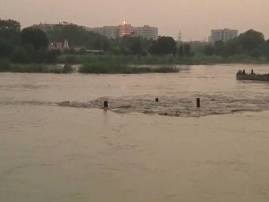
(195, 18)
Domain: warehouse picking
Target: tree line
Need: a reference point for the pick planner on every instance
(78, 36)
(30, 45)
(250, 43)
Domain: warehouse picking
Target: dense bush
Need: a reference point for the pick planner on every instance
(20, 55)
(4, 65)
(103, 67)
(163, 46)
(34, 37)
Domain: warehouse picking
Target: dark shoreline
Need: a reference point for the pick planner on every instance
(124, 65)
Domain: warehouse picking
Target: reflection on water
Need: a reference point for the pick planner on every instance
(54, 153)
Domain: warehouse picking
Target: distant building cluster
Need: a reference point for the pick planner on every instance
(112, 32)
(222, 35)
(126, 30)
(146, 32)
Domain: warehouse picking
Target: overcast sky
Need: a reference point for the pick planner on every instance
(195, 18)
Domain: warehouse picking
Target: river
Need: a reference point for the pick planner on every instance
(138, 150)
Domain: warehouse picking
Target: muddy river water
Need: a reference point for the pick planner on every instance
(58, 145)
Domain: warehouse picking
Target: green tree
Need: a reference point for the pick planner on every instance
(250, 43)
(180, 51)
(250, 40)
(6, 48)
(51, 56)
(35, 37)
(10, 25)
(163, 45)
(184, 50)
(219, 47)
(132, 45)
(208, 50)
(9, 36)
(262, 50)
(137, 46)
(20, 55)
(187, 49)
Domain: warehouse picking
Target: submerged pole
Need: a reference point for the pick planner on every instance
(105, 104)
(198, 102)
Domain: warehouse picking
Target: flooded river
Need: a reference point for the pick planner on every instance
(57, 145)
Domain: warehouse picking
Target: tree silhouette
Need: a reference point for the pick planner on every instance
(35, 37)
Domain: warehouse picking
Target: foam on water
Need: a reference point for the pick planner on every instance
(175, 106)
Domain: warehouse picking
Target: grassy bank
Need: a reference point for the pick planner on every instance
(5, 66)
(120, 68)
(127, 64)
(97, 67)
(161, 60)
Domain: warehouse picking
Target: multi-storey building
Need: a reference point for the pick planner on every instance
(146, 32)
(222, 35)
(111, 32)
(125, 30)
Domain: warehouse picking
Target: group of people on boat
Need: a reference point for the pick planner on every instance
(242, 75)
(243, 72)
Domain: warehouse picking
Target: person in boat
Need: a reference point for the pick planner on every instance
(244, 72)
(252, 72)
(239, 72)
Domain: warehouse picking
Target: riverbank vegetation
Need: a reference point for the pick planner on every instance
(6, 66)
(121, 68)
(163, 60)
(27, 50)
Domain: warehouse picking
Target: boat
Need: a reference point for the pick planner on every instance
(242, 75)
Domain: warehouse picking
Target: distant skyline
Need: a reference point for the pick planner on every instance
(194, 18)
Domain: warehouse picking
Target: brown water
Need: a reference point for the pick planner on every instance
(54, 153)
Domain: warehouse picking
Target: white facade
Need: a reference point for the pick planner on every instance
(146, 32)
(59, 45)
(125, 29)
(111, 32)
(222, 35)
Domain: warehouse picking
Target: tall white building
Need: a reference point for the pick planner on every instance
(125, 29)
(146, 32)
(222, 35)
(111, 32)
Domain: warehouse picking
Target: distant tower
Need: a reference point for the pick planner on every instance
(179, 37)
